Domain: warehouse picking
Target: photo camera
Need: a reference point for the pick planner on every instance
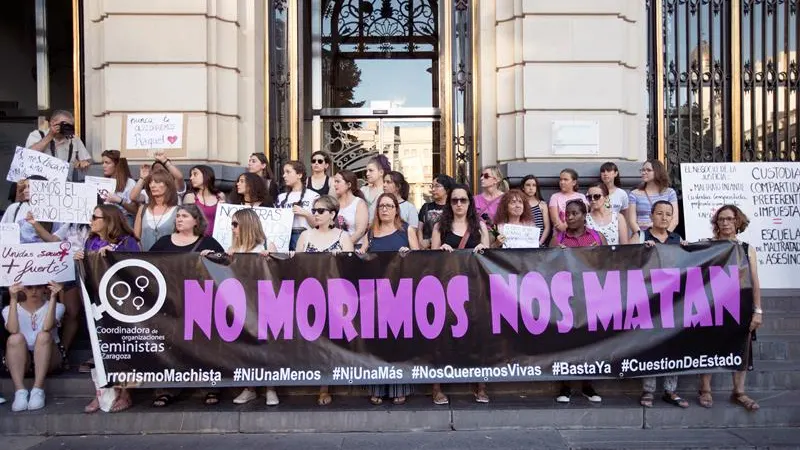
(67, 130)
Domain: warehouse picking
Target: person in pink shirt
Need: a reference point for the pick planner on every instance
(568, 185)
(493, 186)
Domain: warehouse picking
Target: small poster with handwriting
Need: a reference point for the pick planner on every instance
(29, 162)
(768, 193)
(9, 234)
(64, 202)
(105, 186)
(34, 264)
(144, 134)
(521, 236)
(277, 224)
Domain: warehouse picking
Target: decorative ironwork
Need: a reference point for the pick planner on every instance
(771, 104)
(462, 91)
(279, 83)
(351, 143)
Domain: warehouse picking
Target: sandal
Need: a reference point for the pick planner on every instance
(163, 400)
(741, 399)
(211, 399)
(324, 399)
(122, 402)
(92, 407)
(86, 367)
(674, 399)
(377, 401)
(705, 399)
(397, 401)
(481, 396)
(646, 399)
(439, 398)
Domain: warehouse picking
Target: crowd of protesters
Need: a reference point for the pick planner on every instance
(333, 212)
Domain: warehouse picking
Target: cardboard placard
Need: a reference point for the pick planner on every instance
(105, 186)
(276, 222)
(9, 234)
(144, 134)
(29, 162)
(35, 264)
(63, 202)
(521, 236)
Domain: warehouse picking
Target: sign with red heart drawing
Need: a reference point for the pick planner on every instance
(145, 133)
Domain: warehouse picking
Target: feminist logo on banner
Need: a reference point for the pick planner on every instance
(768, 193)
(28, 162)
(63, 202)
(276, 222)
(35, 264)
(517, 315)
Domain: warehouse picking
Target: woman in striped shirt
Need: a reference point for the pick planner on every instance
(541, 218)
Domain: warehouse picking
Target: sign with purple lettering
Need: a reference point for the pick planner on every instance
(34, 264)
(506, 315)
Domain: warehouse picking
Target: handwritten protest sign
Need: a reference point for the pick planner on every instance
(65, 202)
(277, 224)
(33, 264)
(105, 186)
(768, 193)
(29, 162)
(9, 234)
(521, 236)
(144, 133)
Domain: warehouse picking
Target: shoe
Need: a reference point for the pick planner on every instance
(247, 395)
(564, 395)
(2, 400)
(591, 394)
(272, 398)
(20, 401)
(36, 400)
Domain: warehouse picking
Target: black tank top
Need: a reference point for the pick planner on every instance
(321, 191)
(453, 240)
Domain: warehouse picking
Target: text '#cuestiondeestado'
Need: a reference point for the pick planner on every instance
(406, 308)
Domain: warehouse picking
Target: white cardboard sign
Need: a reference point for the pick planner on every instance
(768, 193)
(521, 236)
(29, 162)
(9, 234)
(35, 264)
(105, 186)
(277, 224)
(63, 202)
(154, 131)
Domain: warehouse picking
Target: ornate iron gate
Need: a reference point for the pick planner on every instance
(723, 81)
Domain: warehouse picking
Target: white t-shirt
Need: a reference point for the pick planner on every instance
(79, 152)
(409, 214)
(619, 200)
(307, 203)
(16, 213)
(26, 322)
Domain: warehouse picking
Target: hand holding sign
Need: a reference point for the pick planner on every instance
(53, 201)
(30, 162)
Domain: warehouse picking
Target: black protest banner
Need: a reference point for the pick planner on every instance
(506, 315)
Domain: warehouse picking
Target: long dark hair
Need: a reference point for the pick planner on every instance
(611, 167)
(300, 168)
(209, 179)
(351, 178)
(121, 170)
(116, 225)
(256, 190)
(403, 189)
(446, 219)
(660, 175)
(265, 173)
(525, 179)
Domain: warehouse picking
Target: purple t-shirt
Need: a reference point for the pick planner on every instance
(484, 206)
(126, 244)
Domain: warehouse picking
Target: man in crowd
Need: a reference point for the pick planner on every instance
(59, 140)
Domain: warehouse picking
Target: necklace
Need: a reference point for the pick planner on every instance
(157, 223)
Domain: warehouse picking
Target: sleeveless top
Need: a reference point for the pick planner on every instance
(389, 243)
(210, 212)
(321, 191)
(585, 240)
(538, 217)
(311, 248)
(347, 216)
(156, 227)
(609, 230)
(453, 240)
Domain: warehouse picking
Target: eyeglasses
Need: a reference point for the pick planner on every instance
(643, 170)
(317, 161)
(594, 197)
(725, 219)
(234, 224)
(436, 186)
(486, 176)
(459, 201)
(319, 211)
(96, 217)
(386, 206)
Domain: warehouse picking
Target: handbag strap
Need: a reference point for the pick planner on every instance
(197, 244)
(463, 242)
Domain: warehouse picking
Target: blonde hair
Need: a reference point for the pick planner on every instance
(251, 234)
(502, 183)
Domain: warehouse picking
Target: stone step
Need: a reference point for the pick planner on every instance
(781, 322)
(64, 416)
(777, 347)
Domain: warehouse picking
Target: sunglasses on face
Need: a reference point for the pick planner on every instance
(459, 201)
(486, 176)
(234, 224)
(318, 161)
(96, 217)
(319, 211)
(386, 206)
(594, 197)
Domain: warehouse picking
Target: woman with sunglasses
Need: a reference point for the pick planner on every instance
(603, 219)
(319, 181)
(654, 187)
(395, 183)
(115, 166)
(353, 211)
(389, 233)
(298, 197)
(541, 216)
(513, 210)
(259, 165)
(493, 185)
(577, 234)
(460, 228)
(727, 223)
(377, 167)
(251, 191)
(204, 194)
(324, 238)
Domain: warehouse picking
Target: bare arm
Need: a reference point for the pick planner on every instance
(45, 142)
(436, 238)
(346, 243)
(676, 218)
(631, 216)
(422, 242)
(623, 229)
(41, 230)
(546, 219)
(50, 318)
(362, 222)
(137, 224)
(751, 256)
(189, 198)
(12, 324)
(556, 221)
(486, 238)
(301, 242)
(413, 242)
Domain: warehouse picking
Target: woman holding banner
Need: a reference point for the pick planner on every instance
(395, 183)
(204, 194)
(156, 219)
(654, 187)
(460, 228)
(603, 219)
(353, 213)
(728, 221)
(299, 198)
(514, 210)
(577, 234)
(324, 238)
